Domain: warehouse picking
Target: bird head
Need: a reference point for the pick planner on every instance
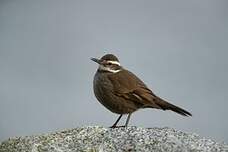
(108, 63)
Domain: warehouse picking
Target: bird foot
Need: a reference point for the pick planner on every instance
(117, 127)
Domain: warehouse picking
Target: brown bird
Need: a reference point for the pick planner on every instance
(122, 92)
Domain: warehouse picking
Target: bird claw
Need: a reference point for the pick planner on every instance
(117, 127)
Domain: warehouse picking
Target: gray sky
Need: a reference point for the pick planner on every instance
(179, 48)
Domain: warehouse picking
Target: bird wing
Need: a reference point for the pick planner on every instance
(130, 87)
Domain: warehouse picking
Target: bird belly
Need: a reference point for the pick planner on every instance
(103, 91)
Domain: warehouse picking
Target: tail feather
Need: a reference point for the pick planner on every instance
(168, 106)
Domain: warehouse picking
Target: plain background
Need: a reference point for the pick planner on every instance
(178, 48)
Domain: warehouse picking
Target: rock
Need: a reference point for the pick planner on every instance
(99, 139)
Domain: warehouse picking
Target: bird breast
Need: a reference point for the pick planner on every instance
(104, 92)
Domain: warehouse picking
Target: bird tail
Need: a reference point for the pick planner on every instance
(168, 106)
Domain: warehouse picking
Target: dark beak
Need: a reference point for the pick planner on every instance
(96, 60)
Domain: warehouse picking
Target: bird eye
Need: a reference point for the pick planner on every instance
(109, 63)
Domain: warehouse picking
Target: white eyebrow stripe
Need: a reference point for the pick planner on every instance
(101, 67)
(114, 62)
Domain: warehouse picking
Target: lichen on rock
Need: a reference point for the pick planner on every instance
(100, 139)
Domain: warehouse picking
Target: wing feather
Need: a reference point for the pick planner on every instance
(130, 87)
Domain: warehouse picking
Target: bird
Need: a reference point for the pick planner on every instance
(123, 93)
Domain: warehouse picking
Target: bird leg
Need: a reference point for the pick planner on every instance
(128, 118)
(114, 125)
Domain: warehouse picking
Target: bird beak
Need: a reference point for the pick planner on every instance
(96, 60)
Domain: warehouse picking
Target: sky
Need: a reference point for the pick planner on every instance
(178, 48)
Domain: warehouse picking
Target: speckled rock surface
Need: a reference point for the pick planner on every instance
(99, 139)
